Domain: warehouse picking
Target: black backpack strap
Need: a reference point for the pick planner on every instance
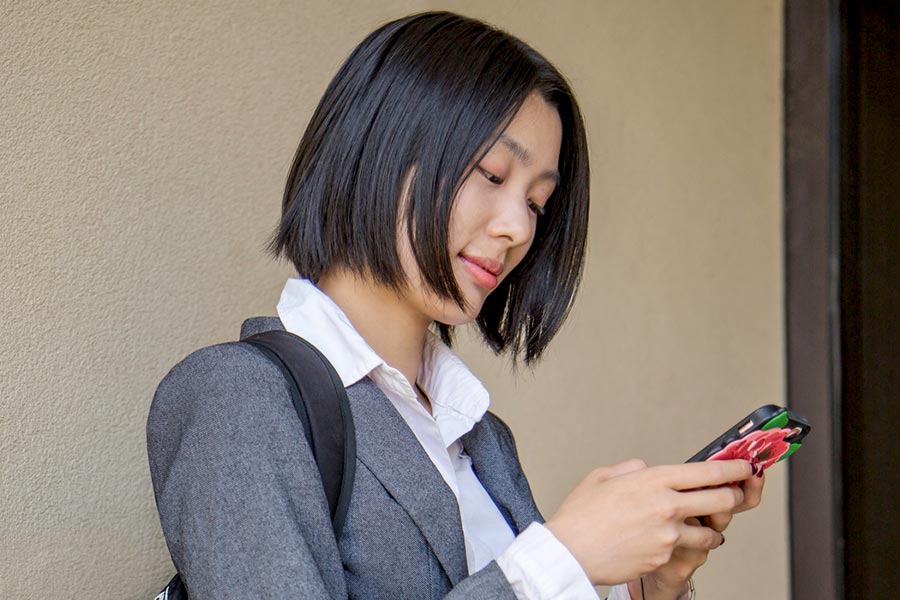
(322, 406)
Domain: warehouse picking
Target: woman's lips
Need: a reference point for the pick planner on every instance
(482, 276)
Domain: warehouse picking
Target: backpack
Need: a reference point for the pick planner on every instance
(321, 403)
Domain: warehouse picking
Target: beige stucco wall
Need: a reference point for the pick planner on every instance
(144, 147)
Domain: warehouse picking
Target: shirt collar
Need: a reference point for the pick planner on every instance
(458, 398)
(306, 311)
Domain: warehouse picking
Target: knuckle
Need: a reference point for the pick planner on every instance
(638, 463)
(599, 475)
(659, 559)
(668, 538)
(667, 511)
(721, 471)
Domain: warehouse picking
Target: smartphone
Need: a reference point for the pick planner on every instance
(767, 435)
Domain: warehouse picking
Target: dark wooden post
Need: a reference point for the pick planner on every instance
(842, 268)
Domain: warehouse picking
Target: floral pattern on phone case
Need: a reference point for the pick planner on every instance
(763, 448)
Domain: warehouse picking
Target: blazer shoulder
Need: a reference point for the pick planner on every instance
(231, 470)
(217, 382)
(498, 424)
(503, 432)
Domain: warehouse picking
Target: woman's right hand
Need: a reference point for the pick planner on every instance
(625, 520)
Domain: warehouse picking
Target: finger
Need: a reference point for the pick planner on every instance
(690, 560)
(700, 503)
(699, 538)
(681, 566)
(753, 489)
(719, 521)
(622, 468)
(690, 476)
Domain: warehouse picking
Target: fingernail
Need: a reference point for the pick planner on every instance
(760, 474)
(723, 541)
(754, 469)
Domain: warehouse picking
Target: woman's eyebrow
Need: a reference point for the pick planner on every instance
(521, 153)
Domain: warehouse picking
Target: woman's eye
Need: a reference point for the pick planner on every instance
(491, 177)
(532, 206)
(537, 208)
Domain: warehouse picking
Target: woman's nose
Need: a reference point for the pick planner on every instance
(512, 219)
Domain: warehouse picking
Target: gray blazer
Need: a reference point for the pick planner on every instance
(244, 514)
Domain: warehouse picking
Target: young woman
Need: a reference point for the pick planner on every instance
(442, 180)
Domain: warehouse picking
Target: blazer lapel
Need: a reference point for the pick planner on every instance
(389, 448)
(501, 476)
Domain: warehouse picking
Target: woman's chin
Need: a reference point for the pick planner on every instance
(455, 316)
(457, 319)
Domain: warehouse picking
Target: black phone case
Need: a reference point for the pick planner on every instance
(765, 418)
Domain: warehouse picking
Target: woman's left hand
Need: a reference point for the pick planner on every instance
(669, 581)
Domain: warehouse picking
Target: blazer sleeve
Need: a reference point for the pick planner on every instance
(489, 583)
(240, 501)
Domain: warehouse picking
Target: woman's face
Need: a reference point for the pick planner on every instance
(493, 219)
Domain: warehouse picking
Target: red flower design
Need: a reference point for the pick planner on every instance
(762, 448)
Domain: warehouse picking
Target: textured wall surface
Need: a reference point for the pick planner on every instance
(144, 150)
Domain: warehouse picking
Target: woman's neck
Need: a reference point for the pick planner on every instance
(388, 325)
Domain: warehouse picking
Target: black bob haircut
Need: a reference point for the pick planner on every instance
(428, 95)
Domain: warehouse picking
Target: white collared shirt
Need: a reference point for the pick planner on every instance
(537, 565)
